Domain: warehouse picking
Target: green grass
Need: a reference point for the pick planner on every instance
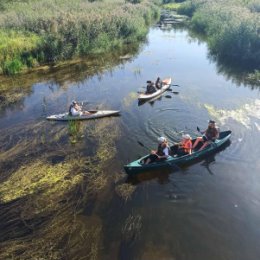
(17, 50)
(172, 6)
(63, 29)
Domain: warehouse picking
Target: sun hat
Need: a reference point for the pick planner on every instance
(161, 139)
(186, 136)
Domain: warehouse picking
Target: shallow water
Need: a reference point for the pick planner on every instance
(209, 210)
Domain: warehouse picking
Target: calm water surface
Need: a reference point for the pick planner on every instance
(209, 210)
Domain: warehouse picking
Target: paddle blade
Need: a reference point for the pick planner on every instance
(198, 129)
(140, 143)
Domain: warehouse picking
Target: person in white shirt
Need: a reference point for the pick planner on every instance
(76, 110)
(161, 153)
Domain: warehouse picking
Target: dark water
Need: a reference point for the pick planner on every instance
(209, 210)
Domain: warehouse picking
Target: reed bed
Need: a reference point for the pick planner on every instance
(232, 28)
(64, 29)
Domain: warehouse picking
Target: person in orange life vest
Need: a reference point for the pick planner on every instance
(209, 135)
(161, 153)
(184, 147)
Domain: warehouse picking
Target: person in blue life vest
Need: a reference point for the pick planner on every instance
(161, 153)
(209, 136)
(76, 110)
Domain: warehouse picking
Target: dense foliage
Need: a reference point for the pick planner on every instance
(232, 28)
(40, 31)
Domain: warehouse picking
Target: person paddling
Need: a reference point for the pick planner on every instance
(150, 88)
(161, 153)
(76, 110)
(209, 135)
(158, 83)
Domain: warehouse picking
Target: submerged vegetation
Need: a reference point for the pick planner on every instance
(42, 197)
(46, 31)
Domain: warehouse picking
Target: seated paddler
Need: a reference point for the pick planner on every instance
(182, 148)
(76, 110)
(209, 136)
(150, 88)
(161, 153)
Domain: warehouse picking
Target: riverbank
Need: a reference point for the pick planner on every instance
(42, 32)
(63, 192)
(231, 28)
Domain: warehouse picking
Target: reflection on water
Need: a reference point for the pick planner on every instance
(63, 192)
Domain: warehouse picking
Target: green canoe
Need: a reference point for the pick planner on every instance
(136, 166)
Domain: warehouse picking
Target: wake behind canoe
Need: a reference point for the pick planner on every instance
(136, 167)
(93, 115)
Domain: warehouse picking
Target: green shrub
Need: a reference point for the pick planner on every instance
(232, 29)
(12, 67)
(187, 8)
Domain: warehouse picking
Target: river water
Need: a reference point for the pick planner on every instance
(208, 210)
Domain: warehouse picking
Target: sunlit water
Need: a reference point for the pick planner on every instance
(209, 210)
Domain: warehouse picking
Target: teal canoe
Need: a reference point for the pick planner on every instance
(136, 167)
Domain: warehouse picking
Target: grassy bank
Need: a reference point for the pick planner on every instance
(232, 28)
(45, 31)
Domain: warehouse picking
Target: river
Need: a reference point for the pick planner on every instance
(208, 210)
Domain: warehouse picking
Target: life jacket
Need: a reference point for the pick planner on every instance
(186, 146)
(71, 106)
(211, 133)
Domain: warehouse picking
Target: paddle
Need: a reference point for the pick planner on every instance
(140, 143)
(198, 129)
(173, 166)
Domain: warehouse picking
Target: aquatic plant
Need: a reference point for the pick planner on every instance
(42, 199)
(125, 191)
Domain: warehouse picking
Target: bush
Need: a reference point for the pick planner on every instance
(12, 67)
(187, 9)
(254, 6)
(232, 30)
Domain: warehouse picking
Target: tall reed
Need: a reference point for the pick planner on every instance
(232, 28)
(66, 29)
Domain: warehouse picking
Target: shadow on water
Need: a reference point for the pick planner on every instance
(238, 73)
(14, 89)
(151, 102)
